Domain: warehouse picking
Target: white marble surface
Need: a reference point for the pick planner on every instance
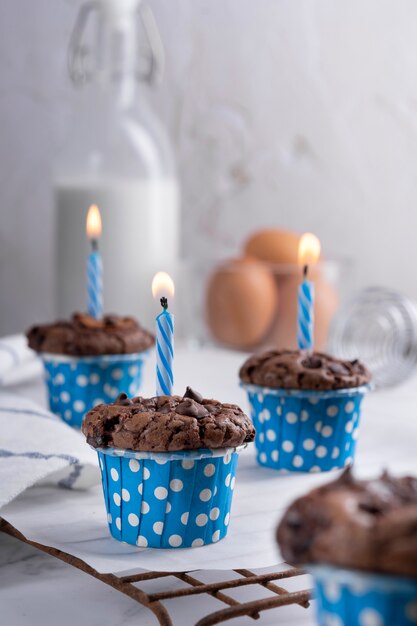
(37, 590)
(292, 113)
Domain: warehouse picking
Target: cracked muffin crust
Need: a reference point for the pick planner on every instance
(167, 424)
(361, 524)
(84, 335)
(299, 369)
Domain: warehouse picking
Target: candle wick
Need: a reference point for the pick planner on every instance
(305, 271)
(164, 303)
(94, 245)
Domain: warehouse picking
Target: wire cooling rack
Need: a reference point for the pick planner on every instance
(130, 586)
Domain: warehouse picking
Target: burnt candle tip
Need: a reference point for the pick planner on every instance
(305, 271)
(164, 303)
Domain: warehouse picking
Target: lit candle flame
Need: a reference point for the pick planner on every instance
(308, 250)
(162, 286)
(93, 226)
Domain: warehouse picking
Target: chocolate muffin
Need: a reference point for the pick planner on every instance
(84, 335)
(167, 423)
(298, 369)
(366, 525)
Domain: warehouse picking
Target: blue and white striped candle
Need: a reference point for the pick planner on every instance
(164, 351)
(94, 265)
(308, 254)
(305, 327)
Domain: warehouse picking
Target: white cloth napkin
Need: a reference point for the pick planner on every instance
(37, 448)
(17, 362)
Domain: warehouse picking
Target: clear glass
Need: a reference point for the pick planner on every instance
(118, 157)
(378, 326)
(253, 306)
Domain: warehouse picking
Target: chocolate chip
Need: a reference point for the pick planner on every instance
(123, 399)
(194, 395)
(293, 520)
(312, 362)
(373, 508)
(337, 368)
(191, 408)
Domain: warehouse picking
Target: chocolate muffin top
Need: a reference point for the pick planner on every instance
(368, 525)
(299, 369)
(167, 423)
(84, 335)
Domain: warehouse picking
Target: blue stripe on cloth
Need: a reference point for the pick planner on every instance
(68, 482)
(26, 412)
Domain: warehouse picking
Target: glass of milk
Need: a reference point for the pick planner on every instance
(118, 157)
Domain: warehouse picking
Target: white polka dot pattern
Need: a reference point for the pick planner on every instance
(154, 504)
(271, 435)
(309, 444)
(142, 542)
(201, 520)
(335, 452)
(332, 410)
(370, 617)
(133, 519)
(209, 469)
(134, 465)
(77, 385)
(332, 591)
(197, 543)
(326, 431)
(364, 600)
(214, 513)
(205, 495)
(291, 417)
(175, 541)
(411, 611)
(298, 461)
(158, 527)
(161, 493)
(316, 433)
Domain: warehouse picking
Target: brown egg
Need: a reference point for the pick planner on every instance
(241, 302)
(326, 302)
(274, 246)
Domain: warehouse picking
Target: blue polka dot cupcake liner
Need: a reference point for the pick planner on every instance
(305, 431)
(168, 500)
(77, 384)
(353, 598)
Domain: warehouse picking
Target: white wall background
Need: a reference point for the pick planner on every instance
(295, 113)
